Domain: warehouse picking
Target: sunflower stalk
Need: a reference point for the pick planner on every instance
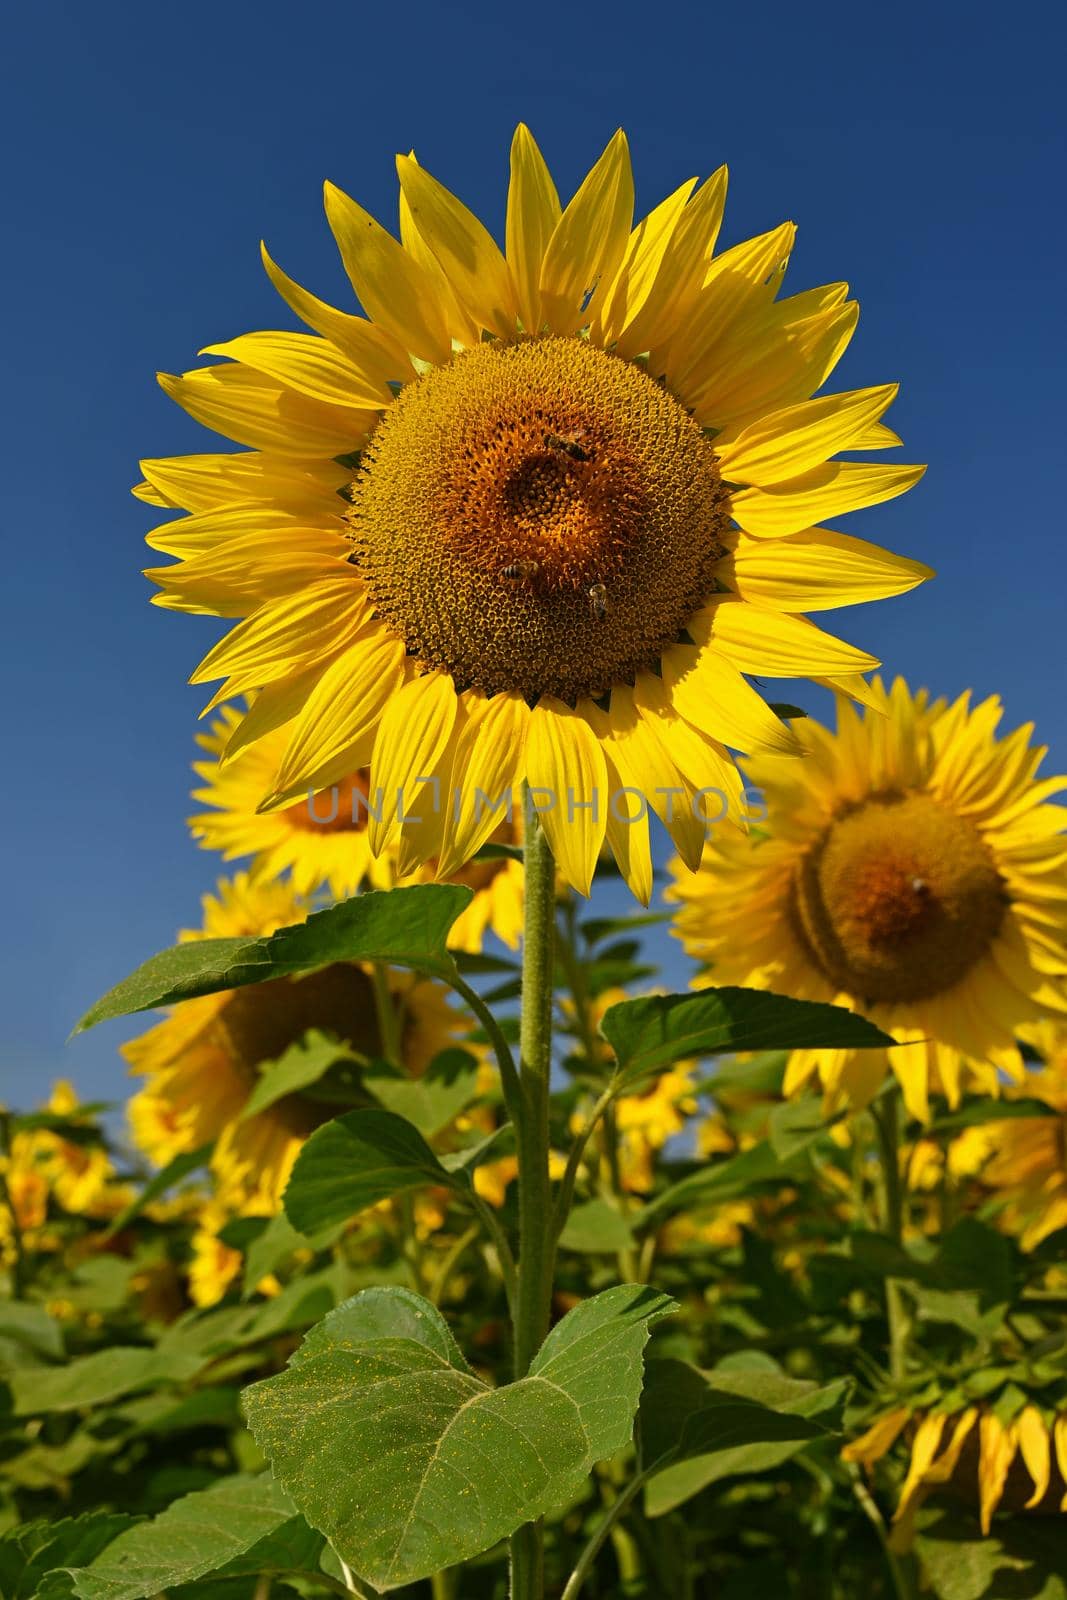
(537, 1244)
(885, 1111)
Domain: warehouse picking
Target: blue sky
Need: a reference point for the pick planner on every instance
(919, 150)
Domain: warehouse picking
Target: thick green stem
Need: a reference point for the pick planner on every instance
(886, 1113)
(536, 1237)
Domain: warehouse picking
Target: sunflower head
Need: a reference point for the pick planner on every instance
(912, 869)
(534, 517)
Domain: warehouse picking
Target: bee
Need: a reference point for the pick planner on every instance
(598, 599)
(567, 444)
(521, 569)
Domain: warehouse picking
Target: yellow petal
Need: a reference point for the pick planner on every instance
(1059, 1434)
(856, 688)
(997, 1446)
(208, 530)
(468, 255)
(341, 712)
(489, 762)
(790, 442)
(627, 815)
(775, 646)
(625, 297)
(308, 364)
(923, 1448)
(412, 736)
(754, 374)
(255, 410)
(879, 1438)
(567, 775)
(589, 239)
(706, 687)
(533, 212)
(649, 770)
(678, 282)
(286, 634)
(826, 491)
(458, 322)
(735, 285)
(1034, 1447)
(816, 571)
(207, 482)
(239, 576)
(373, 351)
(392, 288)
(272, 708)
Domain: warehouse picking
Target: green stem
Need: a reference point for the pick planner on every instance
(536, 1239)
(585, 1561)
(886, 1114)
(458, 1249)
(565, 1193)
(901, 1587)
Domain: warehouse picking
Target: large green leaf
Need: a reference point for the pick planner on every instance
(1026, 1557)
(704, 1426)
(650, 1034)
(240, 1525)
(402, 927)
(409, 1463)
(92, 1380)
(29, 1552)
(430, 1101)
(352, 1163)
(28, 1327)
(303, 1064)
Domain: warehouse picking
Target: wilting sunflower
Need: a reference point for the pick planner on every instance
(911, 868)
(322, 840)
(1024, 1159)
(1014, 1454)
(534, 516)
(202, 1062)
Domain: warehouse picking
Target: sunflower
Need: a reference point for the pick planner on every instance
(533, 517)
(1024, 1159)
(42, 1167)
(910, 868)
(1015, 1452)
(202, 1062)
(324, 841)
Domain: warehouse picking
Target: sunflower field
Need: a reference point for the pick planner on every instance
(440, 1249)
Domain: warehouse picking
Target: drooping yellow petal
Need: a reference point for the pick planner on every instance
(308, 364)
(374, 352)
(773, 645)
(790, 442)
(650, 771)
(567, 774)
(392, 288)
(817, 570)
(706, 687)
(627, 812)
(256, 410)
(625, 298)
(285, 634)
(589, 239)
(412, 735)
(467, 253)
(489, 762)
(923, 1449)
(533, 212)
(1059, 1435)
(997, 1445)
(1035, 1449)
(341, 713)
(879, 1438)
(826, 491)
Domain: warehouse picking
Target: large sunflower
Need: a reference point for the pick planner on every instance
(534, 516)
(202, 1062)
(323, 840)
(911, 868)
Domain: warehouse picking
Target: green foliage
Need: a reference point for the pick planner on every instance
(437, 1465)
(352, 1163)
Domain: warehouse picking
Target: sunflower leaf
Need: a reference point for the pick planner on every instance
(402, 927)
(352, 1163)
(436, 1465)
(650, 1034)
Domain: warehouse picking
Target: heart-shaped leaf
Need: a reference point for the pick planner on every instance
(409, 1463)
(352, 1163)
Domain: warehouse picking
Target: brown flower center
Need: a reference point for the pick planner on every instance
(898, 900)
(539, 516)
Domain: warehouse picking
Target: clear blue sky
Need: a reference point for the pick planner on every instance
(919, 149)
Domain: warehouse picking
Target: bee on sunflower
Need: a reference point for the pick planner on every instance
(533, 518)
(912, 868)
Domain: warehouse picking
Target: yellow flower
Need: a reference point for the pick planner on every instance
(646, 1121)
(911, 869)
(42, 1165)
(974, 1448)
(325, 841)
(491, 1179)
(1025, 1158)
(201, 1062)
(534, 517)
